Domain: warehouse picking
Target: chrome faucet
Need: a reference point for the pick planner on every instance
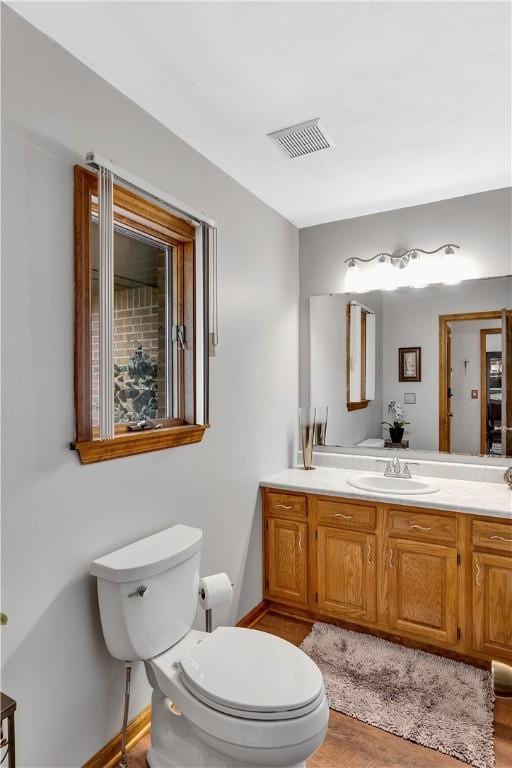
(395, 469)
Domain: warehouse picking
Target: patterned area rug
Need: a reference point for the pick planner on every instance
(436, 702)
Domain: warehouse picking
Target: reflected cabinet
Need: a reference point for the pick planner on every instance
(431, 578)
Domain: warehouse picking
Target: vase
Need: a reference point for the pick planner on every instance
(396, 434)
(320, 425)
(307, 434)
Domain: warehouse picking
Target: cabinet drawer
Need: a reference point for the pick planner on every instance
(347, 515)
(285, 505)
(421, 526)
(492, 535)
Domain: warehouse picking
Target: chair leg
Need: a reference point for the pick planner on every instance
(12, 741)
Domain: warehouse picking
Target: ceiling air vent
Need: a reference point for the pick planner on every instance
(302, 139)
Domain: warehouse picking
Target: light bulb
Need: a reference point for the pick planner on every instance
(353, 278)
(450, 267)
(387, 274)
(416, 271)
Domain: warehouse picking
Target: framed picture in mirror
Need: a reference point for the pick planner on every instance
(409, 364)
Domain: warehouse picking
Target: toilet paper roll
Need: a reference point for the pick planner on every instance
(215, 590)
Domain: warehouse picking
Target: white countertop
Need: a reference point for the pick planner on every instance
(482, 498)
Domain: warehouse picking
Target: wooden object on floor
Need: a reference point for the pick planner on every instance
(354, 744)
(7, 710)
(435, 579)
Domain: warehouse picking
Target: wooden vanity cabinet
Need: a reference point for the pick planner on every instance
(286, 542)
(491, 588)
(423, 590)
(492, 605)
(346, 573)
(421, 559)
(437, 578)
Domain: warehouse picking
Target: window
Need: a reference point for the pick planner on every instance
(360, 356)
(141, 323)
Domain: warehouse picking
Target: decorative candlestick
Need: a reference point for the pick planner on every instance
(307, 433)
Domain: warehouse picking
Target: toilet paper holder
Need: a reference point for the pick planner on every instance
(208, 612)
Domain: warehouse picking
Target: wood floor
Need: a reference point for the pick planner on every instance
(352, 744)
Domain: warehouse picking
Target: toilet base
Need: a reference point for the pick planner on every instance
(176, 744)
(156, 760)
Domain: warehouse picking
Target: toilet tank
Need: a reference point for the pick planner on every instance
(148, 592)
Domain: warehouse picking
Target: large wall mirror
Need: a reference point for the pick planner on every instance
(435, 362)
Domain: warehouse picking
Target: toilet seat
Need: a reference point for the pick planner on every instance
(243, 673)
(245, 733)
(251, 674)
(255, 715)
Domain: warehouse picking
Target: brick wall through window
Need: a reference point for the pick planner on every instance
(139, 355)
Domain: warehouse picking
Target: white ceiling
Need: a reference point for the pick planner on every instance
(415, 95)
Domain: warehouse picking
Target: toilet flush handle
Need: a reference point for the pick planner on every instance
(139, 592)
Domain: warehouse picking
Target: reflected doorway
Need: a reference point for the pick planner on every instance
(473, 402)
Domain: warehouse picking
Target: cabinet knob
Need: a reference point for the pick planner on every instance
(345, 517)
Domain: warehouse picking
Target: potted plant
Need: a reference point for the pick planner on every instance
(396, 429)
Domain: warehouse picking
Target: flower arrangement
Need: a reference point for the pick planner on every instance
(396, 429)
(397, 410)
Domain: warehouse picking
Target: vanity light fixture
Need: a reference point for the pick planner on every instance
(387, 276)
(450, 267)
(417, 271)
(411, 259)
(353, 277)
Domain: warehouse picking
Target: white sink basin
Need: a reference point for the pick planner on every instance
(382, 484)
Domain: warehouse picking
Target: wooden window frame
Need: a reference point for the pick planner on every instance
(140, 215)
(357, 405)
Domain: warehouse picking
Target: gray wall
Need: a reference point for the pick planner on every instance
(59, 515)
(480, 223)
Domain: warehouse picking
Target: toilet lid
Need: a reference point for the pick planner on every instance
(251, 671)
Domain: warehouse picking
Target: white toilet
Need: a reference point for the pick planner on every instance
(235, 697)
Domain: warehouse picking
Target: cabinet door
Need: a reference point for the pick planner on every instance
(492, 605)
(422, 582)
(346, 573)
(286, 560)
